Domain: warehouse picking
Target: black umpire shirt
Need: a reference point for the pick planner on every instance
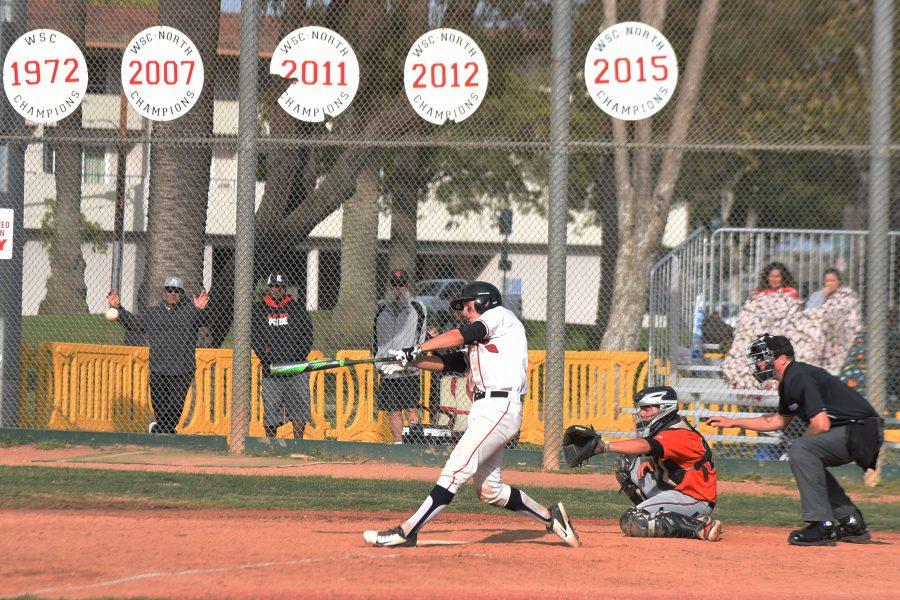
(806, 390)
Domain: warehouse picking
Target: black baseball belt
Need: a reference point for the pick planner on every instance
(494, 394)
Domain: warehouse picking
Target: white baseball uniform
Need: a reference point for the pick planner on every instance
(498, 365)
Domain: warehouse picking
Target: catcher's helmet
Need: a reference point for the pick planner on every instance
(763, 351)
(662, 396)
(485, 295)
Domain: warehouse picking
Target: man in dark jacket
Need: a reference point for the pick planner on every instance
(282, 332)
(842, 428)
(171, 329)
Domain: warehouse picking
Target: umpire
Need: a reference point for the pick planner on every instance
(282, 332)
(843, 428)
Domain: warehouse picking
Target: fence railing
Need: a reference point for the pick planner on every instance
(718, 271)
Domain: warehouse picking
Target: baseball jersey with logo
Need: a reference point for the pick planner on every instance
(682, 460)
(499, 361)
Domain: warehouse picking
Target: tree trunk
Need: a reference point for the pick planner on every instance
(351, 326)
(642, 216)
(608, 219)
(179, 172)
(410, 177)
(856, 208)
(66, 290)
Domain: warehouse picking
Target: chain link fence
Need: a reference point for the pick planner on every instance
(371, 217)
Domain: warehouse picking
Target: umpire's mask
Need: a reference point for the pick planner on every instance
(762, 352)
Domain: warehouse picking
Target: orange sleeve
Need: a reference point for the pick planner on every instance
(681, 445)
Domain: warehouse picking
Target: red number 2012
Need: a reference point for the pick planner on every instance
(622, 69)
(32, 70)
(438, 73)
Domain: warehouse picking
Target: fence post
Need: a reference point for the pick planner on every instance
(556, 232)
(879, 200)
(245, 225)
(12, 196)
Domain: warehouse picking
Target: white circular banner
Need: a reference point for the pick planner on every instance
(445, 75)
(45, 76)
(162, 73)
(324, 70)
(631, 71)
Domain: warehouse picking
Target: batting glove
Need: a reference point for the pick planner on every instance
(406, 355)
(391, 368)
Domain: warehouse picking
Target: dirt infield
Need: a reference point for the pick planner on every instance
(203, 554)
(111, 551)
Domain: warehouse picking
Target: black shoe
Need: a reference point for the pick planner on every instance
(817, 533)
(853, 529)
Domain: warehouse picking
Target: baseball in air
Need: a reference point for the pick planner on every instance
(112, 313)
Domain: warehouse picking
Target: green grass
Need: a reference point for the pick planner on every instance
(42, 487)
(95, 329)
(87, 329)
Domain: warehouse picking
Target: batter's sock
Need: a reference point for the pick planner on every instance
(437, 500)
(520, 502)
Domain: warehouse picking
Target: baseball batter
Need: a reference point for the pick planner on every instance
(496, 353)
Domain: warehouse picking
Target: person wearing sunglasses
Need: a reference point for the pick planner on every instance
(400, 321)
(171, 333)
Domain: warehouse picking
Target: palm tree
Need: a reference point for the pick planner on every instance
(180, 171)
(66, 290)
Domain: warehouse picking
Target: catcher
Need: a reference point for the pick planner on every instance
(667, 472)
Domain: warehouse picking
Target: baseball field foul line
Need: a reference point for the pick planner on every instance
(156, 575)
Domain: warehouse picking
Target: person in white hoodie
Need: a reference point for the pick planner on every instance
(400, 321)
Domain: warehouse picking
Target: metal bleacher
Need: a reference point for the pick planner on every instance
(716, 271)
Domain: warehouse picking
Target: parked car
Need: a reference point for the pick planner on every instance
(436, 295)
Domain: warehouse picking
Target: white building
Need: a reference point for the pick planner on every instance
(442, 237)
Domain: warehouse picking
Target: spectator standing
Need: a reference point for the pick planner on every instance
(399, 322)
(282, 332)
(171, 329)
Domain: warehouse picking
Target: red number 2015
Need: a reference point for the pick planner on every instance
(622, 70)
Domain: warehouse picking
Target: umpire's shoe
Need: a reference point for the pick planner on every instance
(390, 537)
(853, 529)
(817, 533)
(562, 526)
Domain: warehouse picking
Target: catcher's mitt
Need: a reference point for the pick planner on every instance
(579, 442)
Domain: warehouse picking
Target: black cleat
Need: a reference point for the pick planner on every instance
(853, 529)
(818, 533)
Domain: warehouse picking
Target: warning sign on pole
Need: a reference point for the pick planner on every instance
(6, 233)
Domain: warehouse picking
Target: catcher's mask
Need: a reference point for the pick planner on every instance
(662, 396)
(763, 351)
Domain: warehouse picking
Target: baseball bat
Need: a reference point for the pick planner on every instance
(325, 364)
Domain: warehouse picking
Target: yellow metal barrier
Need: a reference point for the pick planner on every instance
(105, 388)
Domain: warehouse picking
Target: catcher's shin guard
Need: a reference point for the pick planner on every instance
(636, 522)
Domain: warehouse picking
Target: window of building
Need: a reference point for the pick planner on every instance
(262, 167)
(93, 165)
(49, 159)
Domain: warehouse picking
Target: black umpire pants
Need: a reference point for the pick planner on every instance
(167, 394)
